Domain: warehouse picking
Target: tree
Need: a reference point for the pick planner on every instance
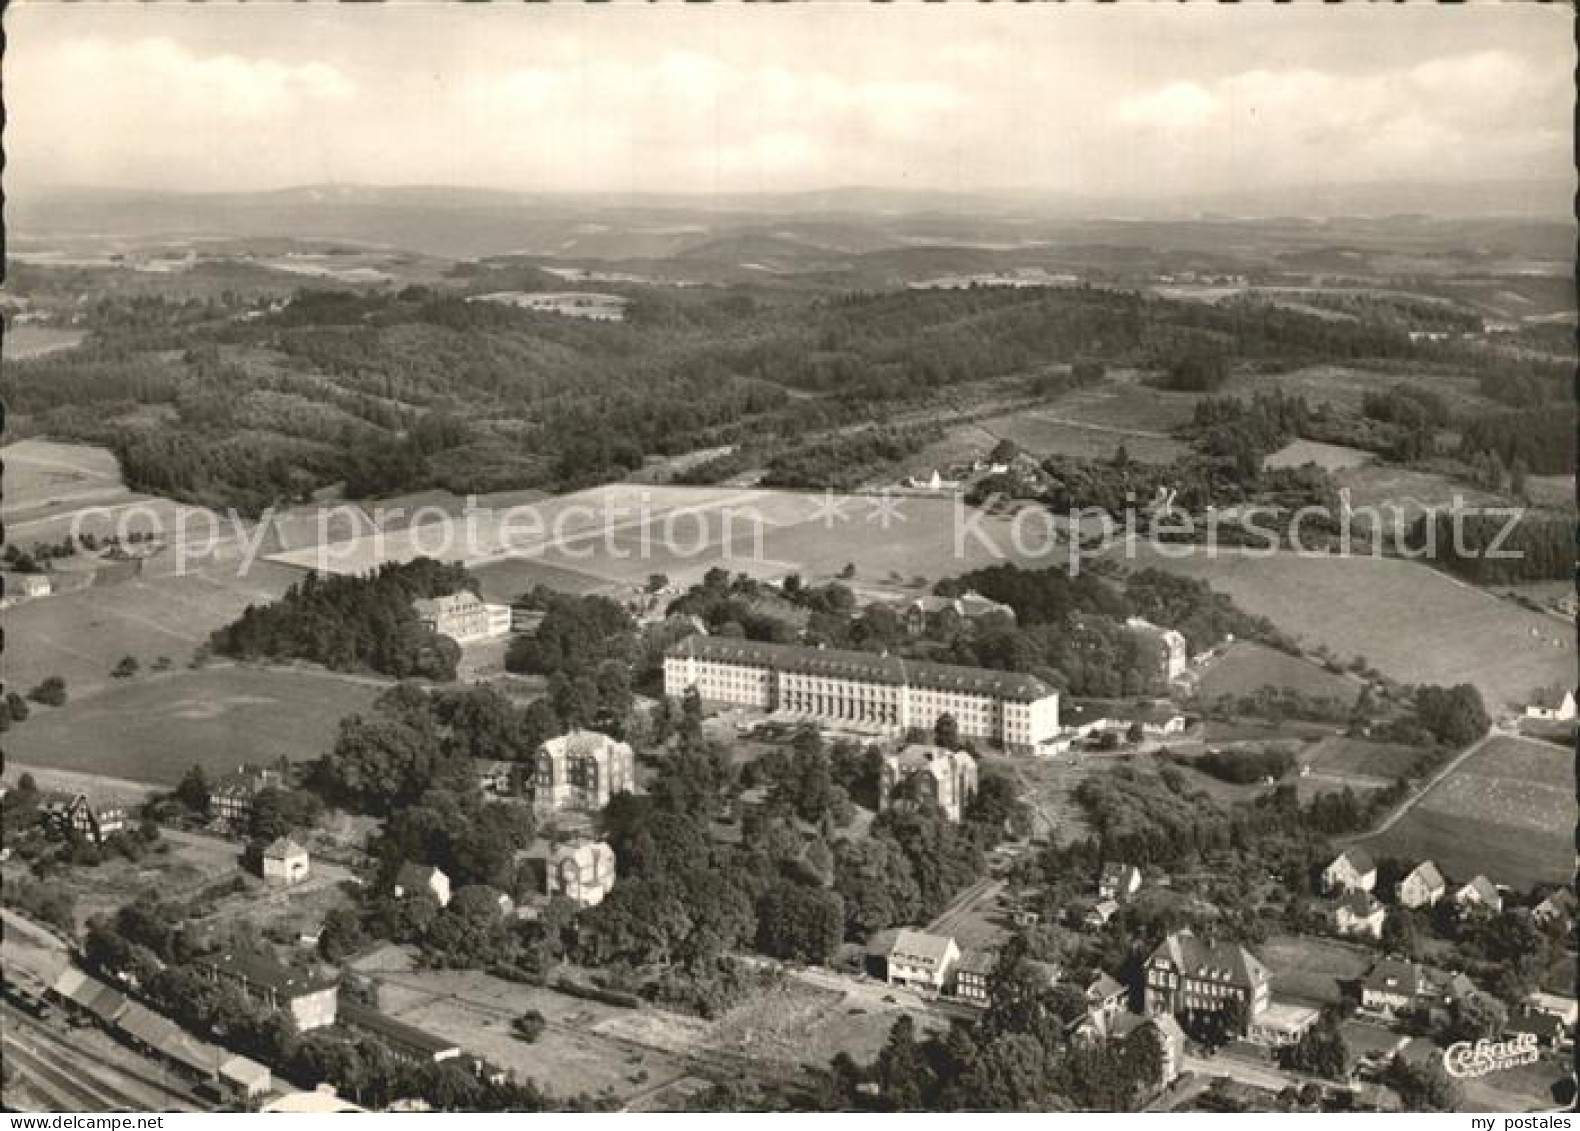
(1478, 1016)
(51, 692)
(193, 791)
(902, 1074)
(1320, 1051)
(16, 707)
(799, 922)
(125, 668)
(1004, 451)
(946, 732)
(530, 1025)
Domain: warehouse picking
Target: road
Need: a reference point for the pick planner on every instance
(1432, 783)
(1256, 1075)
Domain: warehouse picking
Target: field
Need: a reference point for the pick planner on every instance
(1310, 969)
(36, 341)
(592, 1048)
(152, 727)
(617, 535)
(1508, 812)
(1346, 388)
(1246, 667)
(1401, 494)
(1329, 457)
(1358, 760)
(45, 479)
(1413, 623)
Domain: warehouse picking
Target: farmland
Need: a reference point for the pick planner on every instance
(153, 727)
(1410, 622)
(1509, 812)
(1329, 457)
(1353, 758)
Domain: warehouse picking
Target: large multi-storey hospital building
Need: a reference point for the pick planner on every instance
(863, 690)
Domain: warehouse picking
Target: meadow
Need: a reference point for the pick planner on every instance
(1409, 621)
(1245, 667)
(152, 727)
(1508, 812)
(1329, 457)
(1310, 969)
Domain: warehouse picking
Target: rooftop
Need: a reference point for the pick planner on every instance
(398, 1033)
(869, 667)
(262, 970)
(920, 947)
(1199, 958)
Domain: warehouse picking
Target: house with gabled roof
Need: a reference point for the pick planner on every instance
(1552, 704)
(1358, 913)
(413, 879)
(1557, 906)
(1393, 985)
(922, 960)
(1479, 893)
(1423, 887)
(286, 861)
(1351, 870)
(1189, 973)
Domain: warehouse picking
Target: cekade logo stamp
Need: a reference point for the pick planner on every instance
(1466, 1060)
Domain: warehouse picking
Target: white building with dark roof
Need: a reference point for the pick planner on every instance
(863, 690)
(1423, 887)
(1188, 973)
(921, 960)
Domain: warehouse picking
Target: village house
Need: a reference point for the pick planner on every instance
(1106, 997)
(1358, 913)
(414, 879)
(311, 999)
(1558, 907)
(921, 960)
(33, 584)
(1393, 985)
(1186, 972)
(1118, 881)
(1352, 870)
(972, 974)
(1171, 1038)
(1169, 645)
(1423, 887)
(922, 613)
(1551, 1017)
(581, 771)
(1552, 704)
(1098, 915)
(1479, 893)
(494, 778)
(285, 861)
(582, 872)
(67, 814)
(948, 778)
(231, 800)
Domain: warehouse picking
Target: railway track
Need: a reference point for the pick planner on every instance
(119, 1083)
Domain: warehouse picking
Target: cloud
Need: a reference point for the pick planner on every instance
(1179, 105)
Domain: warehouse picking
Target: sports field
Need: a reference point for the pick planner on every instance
(1508, 812)
(1411, 622)
(152, 727)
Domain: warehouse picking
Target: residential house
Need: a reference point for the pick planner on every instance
(1555, 1005)
(1168, 644)
(1393, 985)
(1106, 997)
(1100, 913)
(231, 799)
(580, 771)
(494, 778)
(1547, 1029)
(921, 960)
(922, 613)
(1118, 881)
(582, 872)
(1352, 870)
(1423, 887)
(311, 999)
(415, 878)
(972, 974)
(1558, 907)
(947, 777)
(1358, 913)
(65, 813)
(1479, 893)
(286, 861)
(33, 584)
(1189, 973)
(1552, 704)
(1171, 1039)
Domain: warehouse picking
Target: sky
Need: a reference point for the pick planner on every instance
(1122, 100)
